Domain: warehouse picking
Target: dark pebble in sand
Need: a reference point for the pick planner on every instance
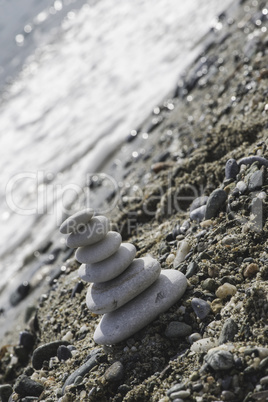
(192, 269)
(27, 340)
(231, 169)
(63, 353)
(177, 329)
(20, 293)
(215, 202)
(84, 369)
(228, 331)
(255, 181)
(200, 307)
(45, 352)
(115, 372)
(25, 386)
(5, 392)
(77, 288)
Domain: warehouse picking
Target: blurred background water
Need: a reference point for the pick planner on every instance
(75, 77)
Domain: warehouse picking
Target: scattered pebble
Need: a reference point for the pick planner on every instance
(184, 248)
(45, 352)
(63, 353)
(200, 307)
(256, 181)
(84, 369)
(228, 332)
(177, 329)
(203, 345)
(115, 372)
(225, 290)
(219, 359)
(27, 340)
(25, 386)
(251, 270)
(215, 202)
(231, 169)
(198, 214)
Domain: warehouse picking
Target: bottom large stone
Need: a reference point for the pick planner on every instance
(122, 323)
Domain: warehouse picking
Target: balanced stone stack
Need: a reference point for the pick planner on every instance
(130, 292)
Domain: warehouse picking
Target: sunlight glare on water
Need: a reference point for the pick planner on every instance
(95, 78)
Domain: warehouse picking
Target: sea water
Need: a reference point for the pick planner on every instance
(75, 77)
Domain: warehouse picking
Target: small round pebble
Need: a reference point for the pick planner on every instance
(251, 270)
(177, 329)
(194, 337)
(115, 372)
(231, 169)
(27, 340)
(200, 307)
(225, 290)
(63, 353)
(215, 202)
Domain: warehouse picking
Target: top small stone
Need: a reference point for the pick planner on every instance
(72, 223)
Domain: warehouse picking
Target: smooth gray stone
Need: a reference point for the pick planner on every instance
(228, 332)
(45, 352)
(255, 181)
(80, 217)
(177, 329)
(219, 359)
(198, 202)
(84, 369)
(109, 268)
(115, 372)
(109, 296)
(99, 251)
(231, 169)
(133, 316)
(215, 202)
(200, 307)
(198, 214)
(89, 234)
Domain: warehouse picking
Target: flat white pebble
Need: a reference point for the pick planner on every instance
(91, 233)
(109, 296)
(204, 345)
(109, 268)
(99, 251)
(183, 250)
(133, 316)
(80, 217)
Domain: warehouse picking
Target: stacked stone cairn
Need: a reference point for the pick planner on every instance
(130, 292)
